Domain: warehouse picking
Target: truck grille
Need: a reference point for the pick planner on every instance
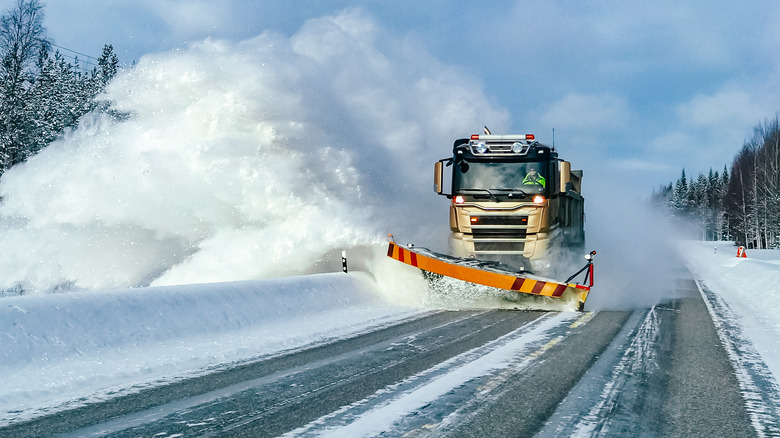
(498, 246)
(499, 220)
(499, 233)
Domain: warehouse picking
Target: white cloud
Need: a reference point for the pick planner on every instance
(665, 32)
(188, 18)
(715, 126)
(723, 109)
(587, 112)
(635, 164)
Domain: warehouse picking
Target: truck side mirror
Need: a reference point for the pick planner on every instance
(565, 174)
(438, 177)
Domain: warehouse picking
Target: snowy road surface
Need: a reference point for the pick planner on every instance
(683, 367)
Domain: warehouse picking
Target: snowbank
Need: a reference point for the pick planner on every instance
(60, 348)
(750, 286)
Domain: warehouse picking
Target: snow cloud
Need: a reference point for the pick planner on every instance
(242, 160)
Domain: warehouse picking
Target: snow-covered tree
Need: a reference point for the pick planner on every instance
(679, 199)
(22, 36)
(742, 204)
(41, 94)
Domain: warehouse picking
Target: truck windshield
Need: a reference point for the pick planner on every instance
(528, 177)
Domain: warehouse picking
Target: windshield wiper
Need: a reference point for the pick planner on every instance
(491, 194)
(510, 193)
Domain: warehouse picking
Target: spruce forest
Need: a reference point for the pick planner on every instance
(742, 205)
(42, 93)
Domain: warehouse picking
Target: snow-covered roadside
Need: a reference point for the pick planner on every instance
(750, 286)
(59, 350)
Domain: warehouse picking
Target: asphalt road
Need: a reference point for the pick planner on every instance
(660, 371)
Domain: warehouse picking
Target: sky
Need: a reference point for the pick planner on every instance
(647, 87)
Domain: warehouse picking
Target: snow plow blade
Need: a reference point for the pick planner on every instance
(492, 274)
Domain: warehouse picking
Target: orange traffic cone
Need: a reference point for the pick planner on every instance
(741, 252)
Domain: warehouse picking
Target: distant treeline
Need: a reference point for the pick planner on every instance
(742, 205)
(41, 94)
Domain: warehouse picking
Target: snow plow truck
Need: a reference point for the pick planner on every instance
(516, 216)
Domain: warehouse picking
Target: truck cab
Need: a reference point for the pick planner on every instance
(513, 200)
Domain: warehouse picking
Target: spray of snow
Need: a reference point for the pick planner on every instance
(636, 264)
(266, 158)
(242, 161)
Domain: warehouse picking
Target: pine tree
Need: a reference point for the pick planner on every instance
(41, 95)
(108, 64)
(22, 36)
(679, 198)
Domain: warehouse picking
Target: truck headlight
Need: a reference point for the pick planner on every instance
(481, 147)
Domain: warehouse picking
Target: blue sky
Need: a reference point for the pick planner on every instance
(629, 86)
